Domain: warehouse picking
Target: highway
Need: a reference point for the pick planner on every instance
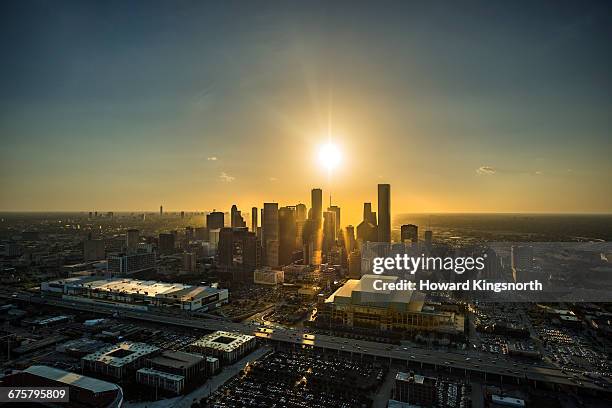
(479, 364)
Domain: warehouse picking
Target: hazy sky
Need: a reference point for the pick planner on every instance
(473, 107)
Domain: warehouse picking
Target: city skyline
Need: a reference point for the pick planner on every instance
(197, 107)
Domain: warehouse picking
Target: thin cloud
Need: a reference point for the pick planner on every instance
(273, 179)
(226, 178)
(212, 158)
(486, 170)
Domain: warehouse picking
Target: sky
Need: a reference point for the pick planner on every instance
(460, 106)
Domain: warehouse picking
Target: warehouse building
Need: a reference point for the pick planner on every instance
(83, 391)
(136, 294)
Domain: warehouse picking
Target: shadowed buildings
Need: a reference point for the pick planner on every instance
(367, 230)
(238, 254)
(287, 233)
(384, 213)
(215, 220)
(270, 234)
(236, 218)
(254, 220)
(409, 232)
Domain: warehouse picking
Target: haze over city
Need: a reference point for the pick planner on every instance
(200, 106)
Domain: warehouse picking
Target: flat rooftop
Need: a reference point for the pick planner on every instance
(120, 354)
(362, 292)
(223, 341)
(71, 379)
(176, 359)
(161, 374)
(148, 288)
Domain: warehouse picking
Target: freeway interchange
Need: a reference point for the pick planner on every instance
(468, 364)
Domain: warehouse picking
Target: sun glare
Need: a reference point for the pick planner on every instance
(330, 156)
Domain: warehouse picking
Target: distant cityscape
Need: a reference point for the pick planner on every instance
(129, 307)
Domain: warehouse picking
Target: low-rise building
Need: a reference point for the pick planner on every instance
(228, 347)
(117, 360)
(268, 276)
(83, 391)
(188, 365)
(159, 379)
(136, 294)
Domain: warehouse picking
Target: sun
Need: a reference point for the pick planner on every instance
(330, 156)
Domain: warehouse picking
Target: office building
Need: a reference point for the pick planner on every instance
(116, 361)
(161, 380)
(161, 210)
(270, 234)
(409, 232)
(329, 230)
(201, 233)
(166, 244)
(268, 276)
(226, 346)
(132, 238)
(384, 213)
(316, 210)
(336, 210)
(191, 367)
(189, 262)
(239, 254)
(287, 235)
(94, 250)
(236, 220)
(254, 221)
(300, 212)
(126, 264)
(349, 239)
(215, 220)
(367, 230)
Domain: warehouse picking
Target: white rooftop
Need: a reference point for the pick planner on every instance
(92, 384)
(134, 352)
(208, 341)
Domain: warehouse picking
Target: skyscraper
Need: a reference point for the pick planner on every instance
(349, 238)
(239, 253)
(384, 213)
(166, 244)
(270, 233)
(409, 232)
(236, 220)
(215, 220)
(329, 230)
(300, 222)
(131, 240)
(161, 210)
(367, 230)
(300, 212)
(336, 210)
(287, 233)
(254, 220)
(317, 205)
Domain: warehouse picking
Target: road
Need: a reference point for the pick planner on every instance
(481, 365)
